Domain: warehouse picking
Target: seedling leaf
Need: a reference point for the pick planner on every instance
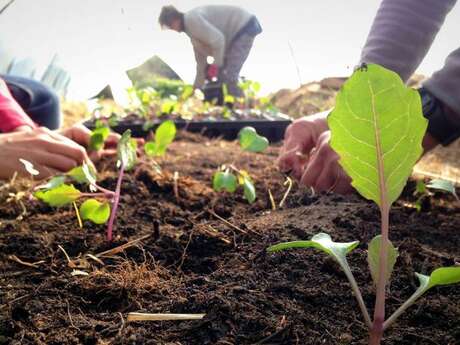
(420, 188)
(440, 276)
(251, 141)
(323, 242)
(377, 128)
(127, 150)
(53, 183)
(95, 211)
(373, 258)
(224, 180)
(98, 138)
(59, 196)
(249, 189)
(83, 174)
(443, 185)
(164, 136)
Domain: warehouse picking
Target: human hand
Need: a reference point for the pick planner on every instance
(299, 140)
(50, 153)
(82, 136)
(323, 172)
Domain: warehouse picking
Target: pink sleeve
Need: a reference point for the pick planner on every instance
(11, 113)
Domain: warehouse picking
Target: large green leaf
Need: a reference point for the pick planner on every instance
(373, 258)
(126, 150)
(377, 128)
(95, 211)
(59, 196)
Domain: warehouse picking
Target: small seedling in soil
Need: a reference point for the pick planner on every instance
(377, 129)
(423, 193)
(229, 178)
(59, 192)
(164, 136)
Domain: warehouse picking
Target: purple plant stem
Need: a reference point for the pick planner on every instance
(116, 200)
(377, 329)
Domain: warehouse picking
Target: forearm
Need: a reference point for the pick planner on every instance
(402, 33)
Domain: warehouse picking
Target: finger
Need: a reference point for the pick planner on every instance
(71, 150)
(343, 185)
(328, 178)
(112, 140)
(97, 155)
(312, 171)
(79, 134)
(287, 158)
(54, 161)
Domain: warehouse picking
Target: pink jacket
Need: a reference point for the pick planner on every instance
(11, 113)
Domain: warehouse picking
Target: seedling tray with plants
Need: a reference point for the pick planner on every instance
(272, 126)
(188, 109)
(199, 229)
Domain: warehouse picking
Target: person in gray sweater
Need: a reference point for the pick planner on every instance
(225, 33)
(400, 37)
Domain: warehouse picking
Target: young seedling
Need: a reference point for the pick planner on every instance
(164, 136)
(57, 192)
(422, 190)
(377, 128)
(227, 178)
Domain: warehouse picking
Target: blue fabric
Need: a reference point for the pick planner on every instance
(37, 100)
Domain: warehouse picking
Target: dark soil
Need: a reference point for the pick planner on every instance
(193, 262)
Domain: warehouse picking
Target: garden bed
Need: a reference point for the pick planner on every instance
(204, 252)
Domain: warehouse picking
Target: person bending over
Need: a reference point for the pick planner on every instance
(224, 32)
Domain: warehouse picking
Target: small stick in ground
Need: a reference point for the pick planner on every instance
(176, 185)
(272, 200)
(119, 249)
(289, 183)
(80, 223)
(70, 263)
(24, 263)
(163, 317)
(233, 226)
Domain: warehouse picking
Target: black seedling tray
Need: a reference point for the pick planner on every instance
(273, 129)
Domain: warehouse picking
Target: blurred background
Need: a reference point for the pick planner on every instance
(83, 45)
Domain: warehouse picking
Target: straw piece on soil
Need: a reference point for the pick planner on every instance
(163, 317)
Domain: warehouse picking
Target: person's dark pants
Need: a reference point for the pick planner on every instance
(37, 100)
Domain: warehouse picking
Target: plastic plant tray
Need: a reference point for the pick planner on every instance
(272, 127)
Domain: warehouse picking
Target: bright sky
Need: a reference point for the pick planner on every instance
(99, 39)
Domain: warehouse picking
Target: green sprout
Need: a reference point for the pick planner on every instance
(377, 127)
(229, 178)
(164, 136)
(226, 180)
(59, 191)
(423, 191)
